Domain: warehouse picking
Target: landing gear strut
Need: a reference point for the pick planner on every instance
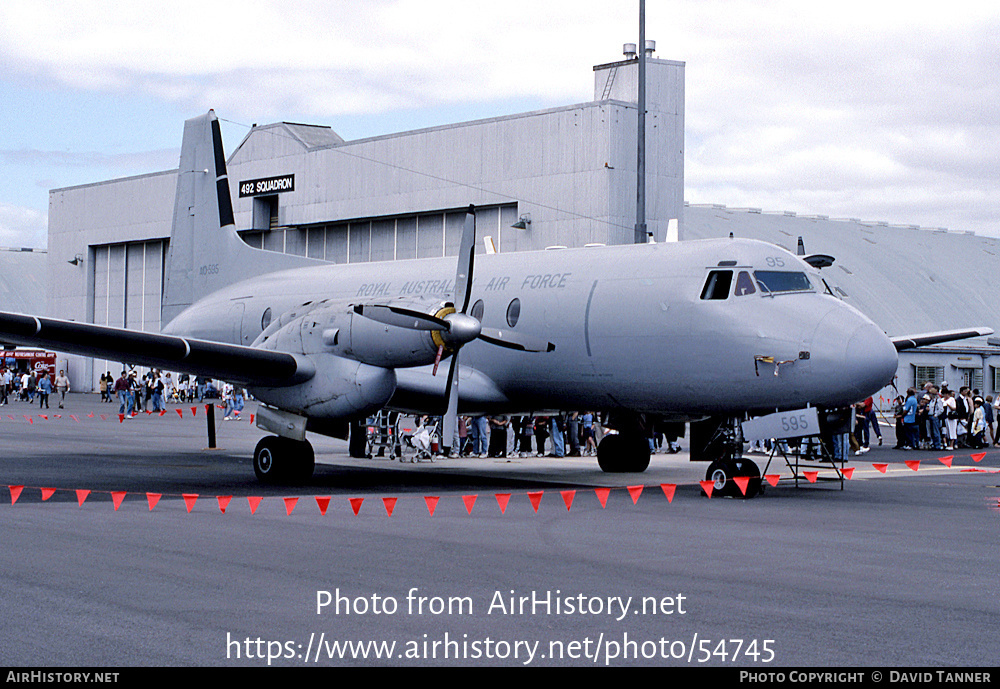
(283, 460)
(720, 441)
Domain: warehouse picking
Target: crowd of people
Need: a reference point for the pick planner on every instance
(939, 419)
(567, 434)
(29, 385)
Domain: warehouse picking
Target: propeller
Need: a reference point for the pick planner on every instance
(457, 328)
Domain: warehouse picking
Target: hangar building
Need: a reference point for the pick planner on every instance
(562, 176)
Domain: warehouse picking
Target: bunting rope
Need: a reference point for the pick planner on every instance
(503, 499)
(30, 418)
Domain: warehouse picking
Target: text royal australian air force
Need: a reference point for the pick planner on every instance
(495, 284)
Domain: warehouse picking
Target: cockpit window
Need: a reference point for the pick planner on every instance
(744, 284)
(717, 285)
(779, 281)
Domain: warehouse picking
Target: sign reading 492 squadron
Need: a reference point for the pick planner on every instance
(267, 185)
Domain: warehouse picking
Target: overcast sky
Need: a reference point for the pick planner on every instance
(875, 110)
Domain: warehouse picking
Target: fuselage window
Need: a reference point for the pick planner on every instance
(778, 281)
(718, 284)
(744, 284)
(513, 312)
(477, 310)
(265, 320)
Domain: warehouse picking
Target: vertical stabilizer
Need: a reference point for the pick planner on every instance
(205, 253)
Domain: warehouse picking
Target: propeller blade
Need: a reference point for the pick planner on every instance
(449, 422)
(400, 317)
(519, 341)
(466, 262)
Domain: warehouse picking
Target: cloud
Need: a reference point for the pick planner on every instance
(889, 105)
(21, 226)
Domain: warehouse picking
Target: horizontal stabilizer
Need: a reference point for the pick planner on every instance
(913, 341)
(233, 363)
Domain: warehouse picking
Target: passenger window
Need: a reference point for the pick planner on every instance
(718, 284)
(744, 284)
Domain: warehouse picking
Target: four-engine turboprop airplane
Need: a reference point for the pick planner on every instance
(688, 330)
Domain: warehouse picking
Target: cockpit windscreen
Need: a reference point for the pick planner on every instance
(780, 281)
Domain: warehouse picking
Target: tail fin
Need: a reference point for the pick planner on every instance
(205, 252)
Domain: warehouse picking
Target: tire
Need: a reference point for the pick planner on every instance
(723, 471)
(618, 454)
(280, 460)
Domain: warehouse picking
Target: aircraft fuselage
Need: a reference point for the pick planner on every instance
(684, 328)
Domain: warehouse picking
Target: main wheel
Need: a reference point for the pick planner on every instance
(623, 453)
(277, 460)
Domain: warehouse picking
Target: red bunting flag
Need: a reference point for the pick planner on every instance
(356, 504)
(772, 479)
(811, 476)
(469, 501)
(635, 492)
(323, 502)
(881, 467)
(30, 420)
(742, 482)
(180, 412)
(223, 502)
(912, 463)
(44, 416)
(152, 499)
(15, 493)
(946, 460)
(567, 496)
(194, 411)
(535, 497)
(104, 417)
(502, 500)
(254, 501)
(432, 503)
(848, 472)
(290, 505)
(81, 495)
(149, 412)
(121, 418)
(978, 457)
(47, 493)
(162, 412)
(602, 495)
(669, 489)
(190, 499)
(708, 487)
(390, 505)
(116, 497)
(251, 419)
(74, 417)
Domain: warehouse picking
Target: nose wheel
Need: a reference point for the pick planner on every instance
(283, 460)
(723, 473)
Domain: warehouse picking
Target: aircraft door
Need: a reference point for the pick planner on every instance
(236, 312)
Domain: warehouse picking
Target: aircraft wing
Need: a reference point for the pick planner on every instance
(913, 341)
(233, 363)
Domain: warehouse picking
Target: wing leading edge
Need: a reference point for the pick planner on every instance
(913, 341)
(234, 363)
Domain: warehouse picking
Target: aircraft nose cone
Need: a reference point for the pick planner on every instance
(871, 359)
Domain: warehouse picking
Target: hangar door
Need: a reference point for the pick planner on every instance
(128, 285)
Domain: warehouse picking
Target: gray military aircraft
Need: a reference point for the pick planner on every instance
(679, 331)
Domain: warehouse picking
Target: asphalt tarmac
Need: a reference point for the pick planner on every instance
(898, 569)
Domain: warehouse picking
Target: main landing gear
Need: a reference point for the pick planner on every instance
(283, 460)
(628, 449)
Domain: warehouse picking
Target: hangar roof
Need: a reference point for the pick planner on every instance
(905, 278)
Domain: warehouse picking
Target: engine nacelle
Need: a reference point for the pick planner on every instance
(342, 388)
(332, 327)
